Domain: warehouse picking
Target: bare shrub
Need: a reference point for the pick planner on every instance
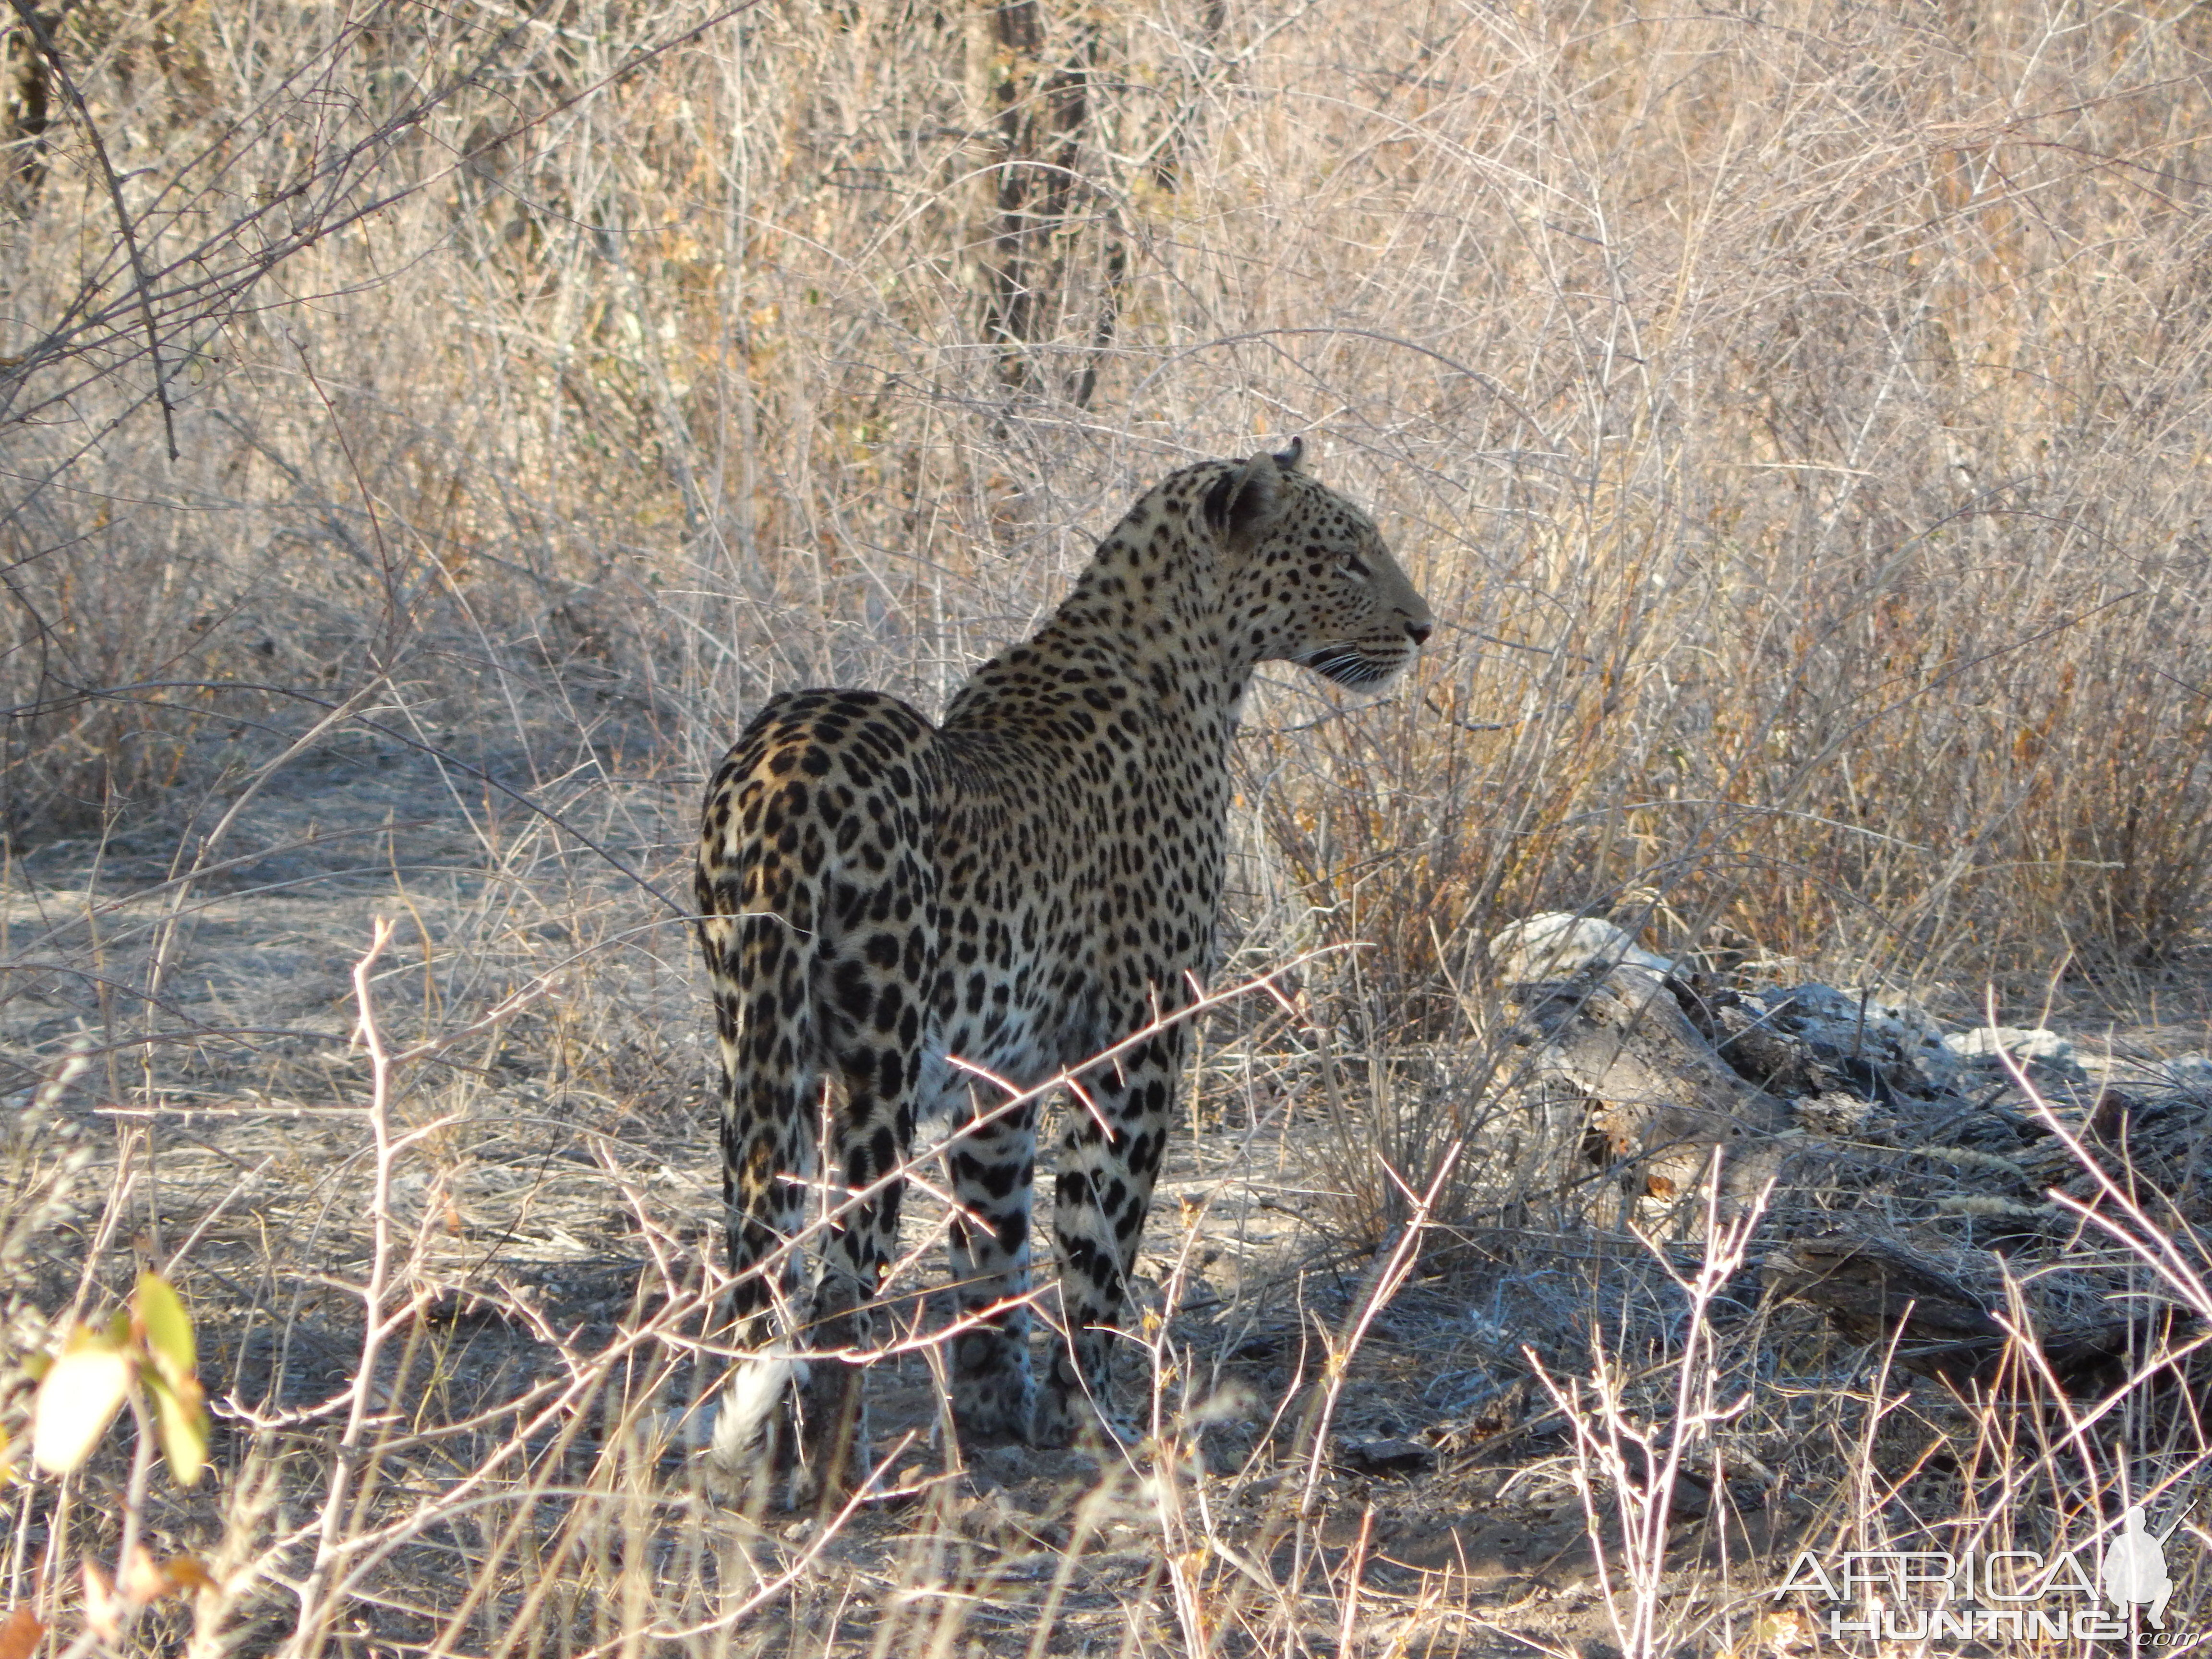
(1810, 486)
(424, 435)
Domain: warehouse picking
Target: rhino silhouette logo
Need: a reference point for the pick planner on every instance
(2134, 1572)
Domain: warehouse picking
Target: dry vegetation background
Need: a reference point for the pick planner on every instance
(425, 433)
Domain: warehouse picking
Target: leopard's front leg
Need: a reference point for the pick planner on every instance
(992, 1164)
(1109, 1162)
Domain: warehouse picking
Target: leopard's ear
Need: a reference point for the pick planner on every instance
(1288, 459)
(1242, 504)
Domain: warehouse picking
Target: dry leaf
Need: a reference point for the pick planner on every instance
(184, 1572)
(20, 1636)
(140, 1581)
(103, 1609)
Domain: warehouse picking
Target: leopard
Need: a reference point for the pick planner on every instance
(904, 920)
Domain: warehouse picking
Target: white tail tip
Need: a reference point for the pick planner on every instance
(756, 1392)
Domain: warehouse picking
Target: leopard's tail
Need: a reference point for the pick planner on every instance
(785, 877)
(759, 930)
(771, 1081)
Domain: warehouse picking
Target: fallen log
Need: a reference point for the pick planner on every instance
(1965, 1138)
(1878, 1292)
(1663, 1103)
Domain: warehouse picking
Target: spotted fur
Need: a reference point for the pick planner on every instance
(1022, 885)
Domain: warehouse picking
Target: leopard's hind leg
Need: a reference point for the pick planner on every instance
(876, 1052)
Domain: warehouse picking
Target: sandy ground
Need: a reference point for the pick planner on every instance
(560, 1195)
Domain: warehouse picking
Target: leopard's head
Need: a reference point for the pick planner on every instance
(1308, 578)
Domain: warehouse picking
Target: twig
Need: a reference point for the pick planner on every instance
(312, 1627)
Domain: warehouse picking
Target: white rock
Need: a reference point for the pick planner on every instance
(1557, 944)
(2036, 1049)
(2189, 1071)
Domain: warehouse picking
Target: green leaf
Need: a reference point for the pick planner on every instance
(78, 1399)
(169, 1330)
(181, 1424)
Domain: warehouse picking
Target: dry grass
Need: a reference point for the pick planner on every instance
(423, 434)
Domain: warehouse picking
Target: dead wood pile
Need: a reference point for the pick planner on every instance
(1933, 1191)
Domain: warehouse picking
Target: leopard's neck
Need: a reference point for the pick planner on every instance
(1142, 629)
(1149, 607)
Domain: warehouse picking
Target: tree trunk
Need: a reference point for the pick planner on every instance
(1041, 115)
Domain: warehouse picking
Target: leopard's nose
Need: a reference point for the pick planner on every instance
(1419, 632)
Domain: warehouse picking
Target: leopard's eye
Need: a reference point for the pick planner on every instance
(1352, 565)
